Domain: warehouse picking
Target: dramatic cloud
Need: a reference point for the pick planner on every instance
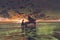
(28, 6)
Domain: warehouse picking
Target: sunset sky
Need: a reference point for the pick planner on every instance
(36, 6)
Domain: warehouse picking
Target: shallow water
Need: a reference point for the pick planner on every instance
(43, 30)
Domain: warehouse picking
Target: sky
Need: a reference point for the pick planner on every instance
(47, 4)
(36, 5)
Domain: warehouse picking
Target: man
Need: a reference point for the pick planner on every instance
(22, 26)
(31, 28)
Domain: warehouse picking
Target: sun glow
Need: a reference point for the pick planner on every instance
(13, 20)
(17, 18)
(20, 21)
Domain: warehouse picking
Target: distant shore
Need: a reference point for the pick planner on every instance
(17, 21)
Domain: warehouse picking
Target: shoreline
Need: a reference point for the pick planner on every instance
(14, 21)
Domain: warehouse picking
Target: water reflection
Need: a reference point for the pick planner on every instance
(45, 31)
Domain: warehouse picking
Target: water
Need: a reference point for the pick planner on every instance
(47, 31)
(44, 30)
